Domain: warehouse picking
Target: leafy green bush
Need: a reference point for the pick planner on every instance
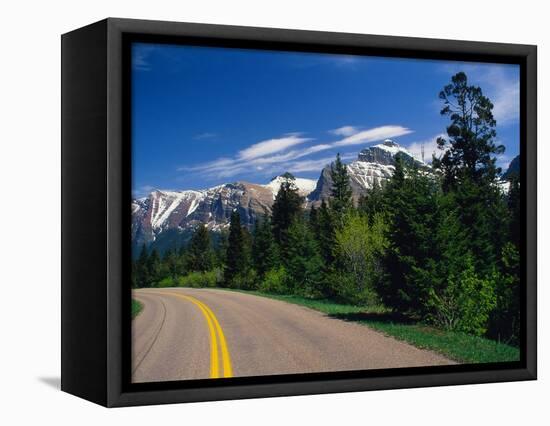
(166, 282)
(200, 279)
(275, 281)
(360, 246)
(466, 302)
(245, 280)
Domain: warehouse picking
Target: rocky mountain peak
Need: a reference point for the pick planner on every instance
(165, 216)
(383, 153)
(374, 165)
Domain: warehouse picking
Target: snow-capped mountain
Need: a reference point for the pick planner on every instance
(183, 210)
(374, 164)
(162, 212)
(304, 186)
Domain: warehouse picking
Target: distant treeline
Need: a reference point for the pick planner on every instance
(439, 244)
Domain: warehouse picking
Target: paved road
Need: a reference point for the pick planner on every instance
(201, 333)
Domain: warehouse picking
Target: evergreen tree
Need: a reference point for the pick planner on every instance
(154, 268)
(324, 234)
(314, 220)
(372, 202)
(171, 265)
(220, 249)
(286, 207)
(264, 250)
(469, 171)
(469, 151)
(514, 207)
(303, 262)
(505, 319)
(199, 252)
(412, 208)
(141, 269)
(340, 201)
(235, 258)
(323, 230)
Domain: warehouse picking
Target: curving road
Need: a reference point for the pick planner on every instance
(200, 333)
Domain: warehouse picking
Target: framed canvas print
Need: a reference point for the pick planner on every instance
(252, 212)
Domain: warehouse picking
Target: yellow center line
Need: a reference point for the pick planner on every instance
(226, 359)
(214, 327)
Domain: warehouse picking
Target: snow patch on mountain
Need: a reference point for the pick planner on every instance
(304, 186)
(392, 147)
(164, 203)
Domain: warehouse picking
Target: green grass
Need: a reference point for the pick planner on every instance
(455, 345)
(136, 308)
(458, 346)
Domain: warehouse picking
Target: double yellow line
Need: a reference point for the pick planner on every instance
(218, 344)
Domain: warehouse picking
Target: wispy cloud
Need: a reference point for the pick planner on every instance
(271, 146)
(344, 131)
(349, 61)
(375, 134)
(286, 153)
(309, 165)
(142, 191)
(205, 135)
(505, 98)
(140, 57)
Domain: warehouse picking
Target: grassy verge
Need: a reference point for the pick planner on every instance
(136, 308)
(458, 346)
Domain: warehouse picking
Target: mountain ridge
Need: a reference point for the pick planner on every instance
(182, 211)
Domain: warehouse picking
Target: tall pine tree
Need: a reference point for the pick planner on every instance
(303, 262)
(141, 269)
(264, 250)
(199, 253)
(325, 234)
(235, 260)
(341, 200)
(469, 150)
(469, 171)
(412, 208)
(154, 267)
(286, 207)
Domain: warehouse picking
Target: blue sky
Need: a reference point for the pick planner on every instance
(203, 116)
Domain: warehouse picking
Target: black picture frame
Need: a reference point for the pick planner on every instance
(96, 211)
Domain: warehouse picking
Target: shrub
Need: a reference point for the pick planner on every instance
(344, 289)
(275, 281)
(166, 282)
(466, 302)
(245, 280)
(200, 279)
(360, 245)
(505, 319)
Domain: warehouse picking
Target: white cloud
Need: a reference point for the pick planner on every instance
(309, 165)
(430, 148)
(503, 161)
(270, 146)
(281, 154)
(505, 99)
(142, 191)
(375, 134)
(140, 57)
(344, 131)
